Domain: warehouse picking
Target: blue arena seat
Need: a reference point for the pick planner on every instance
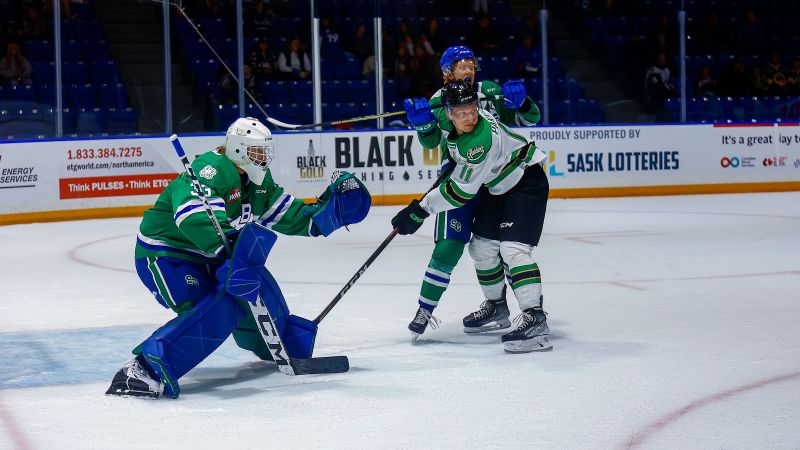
(333, 91)
(90, 121)
(96, 51)
(81, 96)
(112, 95)
(104, 72)
(74, 73)
(39, 51)
(301, 91)
(275, 91)
(120, 120)
(21, 92)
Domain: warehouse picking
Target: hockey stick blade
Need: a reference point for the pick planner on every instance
(323, 364)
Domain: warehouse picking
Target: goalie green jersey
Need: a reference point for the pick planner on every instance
(178, 225)
(489, 93)
(491, 155)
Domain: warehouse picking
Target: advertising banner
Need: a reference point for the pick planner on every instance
(94, 174)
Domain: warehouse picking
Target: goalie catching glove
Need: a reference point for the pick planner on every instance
(346, 201)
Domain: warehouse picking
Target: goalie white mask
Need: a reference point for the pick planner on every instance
(249, 145)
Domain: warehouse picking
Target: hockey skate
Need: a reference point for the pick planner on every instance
(532, 333)
(492, 315)
(135, 380)
(421, 321)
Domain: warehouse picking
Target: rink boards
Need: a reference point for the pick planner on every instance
(121, 176)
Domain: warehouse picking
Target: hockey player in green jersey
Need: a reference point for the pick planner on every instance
(506, 170)
(509, 105)
(178, 251)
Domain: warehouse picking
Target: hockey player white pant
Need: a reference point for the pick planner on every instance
(522, 270)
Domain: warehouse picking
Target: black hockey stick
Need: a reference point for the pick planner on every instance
(373, 256)
(358, 119)
(266, 325)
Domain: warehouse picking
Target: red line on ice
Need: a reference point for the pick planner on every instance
(17, 437)
(73, 254)
(638, 438)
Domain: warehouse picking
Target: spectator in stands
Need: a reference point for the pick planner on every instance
(711, 38)
(434, 37)
(775, 76)
(635, 61)
(401, 63)
(225, 93)
(662, 45)
(360, 44)
(665, 26)
(526, 59)
(483, 39)
(214, 8)
(14, 67)
(480, 6)
(33, 25)
(404, 36)
(389, 50)
(425, 73)
(530, 27)
(330, 48)
(263, 60)
(294, 63)
(705, 85)
(251, 81)
(793, 78)
(227, 90)
(66, 11)
(658, 83)
(758, 83)
(260, 19)
(734, 81)
(750, 37)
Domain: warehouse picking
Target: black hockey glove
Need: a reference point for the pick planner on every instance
(410, 218)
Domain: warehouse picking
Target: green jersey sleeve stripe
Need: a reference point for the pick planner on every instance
(512, 134)
(450, 196)
(195, 206)
(277, 211)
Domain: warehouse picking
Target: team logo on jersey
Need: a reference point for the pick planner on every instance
(236, 194)
(475, 154)
(506, 224)
(208, 172)
(455, 225)
(190, 280)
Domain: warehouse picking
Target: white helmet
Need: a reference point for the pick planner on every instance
(248, 144)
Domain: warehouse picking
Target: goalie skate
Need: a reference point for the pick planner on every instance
(492, 315)
(133, 380)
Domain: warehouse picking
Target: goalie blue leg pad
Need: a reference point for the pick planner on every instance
(248, 279)
(183, 342)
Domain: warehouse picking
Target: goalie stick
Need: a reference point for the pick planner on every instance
(266, 324)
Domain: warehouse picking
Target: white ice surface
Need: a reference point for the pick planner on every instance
(675, 320)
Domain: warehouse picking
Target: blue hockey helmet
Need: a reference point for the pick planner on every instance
(454, 54)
